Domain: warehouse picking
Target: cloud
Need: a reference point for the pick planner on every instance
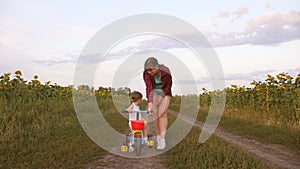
(268, 5)
(77, 58)
(271, 28)
(12, 34)
(222, 14)
(240, 79)
(293, 72)
(255, 75)
(78, 33)
(259, 75)
(238, 13)
(235, 15)
(268, 29)
(54, 61)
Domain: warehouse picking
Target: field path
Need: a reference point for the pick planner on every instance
(112, 161)
(276, 155)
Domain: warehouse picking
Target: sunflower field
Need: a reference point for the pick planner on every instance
(39, 127)
(274, 101)
(38, 120)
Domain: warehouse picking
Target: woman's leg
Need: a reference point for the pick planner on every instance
(163, 116)
(155, 105)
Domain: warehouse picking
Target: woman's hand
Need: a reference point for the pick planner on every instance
(150, 112)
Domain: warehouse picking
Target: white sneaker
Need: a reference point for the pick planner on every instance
(145, 140)
(131, 149)
(162, 144)
(158, 141)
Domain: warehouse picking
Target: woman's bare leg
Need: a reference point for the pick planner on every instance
(163, 116)
(156, 102)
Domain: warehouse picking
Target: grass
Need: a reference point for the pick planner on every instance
(214, 153)
(266, 133)
(269, 134)
(39, 129)
(44, 134)
(65, 147)
(47, 134)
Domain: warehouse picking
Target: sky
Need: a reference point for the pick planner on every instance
(252, 38)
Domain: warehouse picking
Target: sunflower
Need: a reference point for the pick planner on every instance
(35, 77)
(18, 73)
(282, 87)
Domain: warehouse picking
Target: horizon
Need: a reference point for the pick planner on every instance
(124, 87)
(250, 39)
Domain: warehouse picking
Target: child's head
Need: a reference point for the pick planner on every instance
(135, 96)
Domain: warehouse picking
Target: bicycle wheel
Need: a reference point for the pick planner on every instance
(138, 146)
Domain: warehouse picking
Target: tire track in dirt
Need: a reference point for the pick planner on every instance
(113, 161)
(277, 156)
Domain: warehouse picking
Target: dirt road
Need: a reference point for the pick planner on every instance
(111, 161)
(276, 155)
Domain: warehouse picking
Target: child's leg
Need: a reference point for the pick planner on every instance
(130, 137)
(145, 132)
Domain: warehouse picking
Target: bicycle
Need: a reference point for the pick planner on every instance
(137, 135)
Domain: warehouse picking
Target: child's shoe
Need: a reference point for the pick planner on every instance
(130, 148)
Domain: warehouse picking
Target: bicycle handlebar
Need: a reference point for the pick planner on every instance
(135, 111)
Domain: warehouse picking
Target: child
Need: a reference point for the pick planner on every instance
(136, 99)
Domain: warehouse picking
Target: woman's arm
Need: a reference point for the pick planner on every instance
(148, 83)
(150, 108)
(167, 81)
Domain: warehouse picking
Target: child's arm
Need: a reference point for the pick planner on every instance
(129, 109)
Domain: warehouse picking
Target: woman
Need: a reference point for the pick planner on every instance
(158, 82)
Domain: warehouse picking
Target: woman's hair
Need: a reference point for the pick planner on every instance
(135, 95)
(150, 63)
